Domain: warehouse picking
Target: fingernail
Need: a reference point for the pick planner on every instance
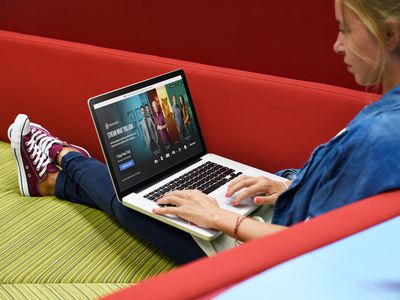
(154, 210)
(234, 203)
(257, 200)
(227, 195)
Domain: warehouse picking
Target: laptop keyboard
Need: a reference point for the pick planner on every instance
(206, 178)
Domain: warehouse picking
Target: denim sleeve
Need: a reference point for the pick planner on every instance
(290, 174)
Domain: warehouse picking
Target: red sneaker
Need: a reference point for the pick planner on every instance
(48, 143)
(33, 164)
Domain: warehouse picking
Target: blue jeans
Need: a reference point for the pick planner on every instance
(87, 181)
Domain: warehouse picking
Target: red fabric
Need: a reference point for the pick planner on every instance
(207, 277)
(266, 121)
(286, 38)
(280, 120)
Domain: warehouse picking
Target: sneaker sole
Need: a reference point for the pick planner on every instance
(16, 140)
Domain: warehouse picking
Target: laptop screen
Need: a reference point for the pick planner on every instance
(147, 129)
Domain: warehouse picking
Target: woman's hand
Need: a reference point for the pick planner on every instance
(191, 205)
(202, 210)
(265, 190)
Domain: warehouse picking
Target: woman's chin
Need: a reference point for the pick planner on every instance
(362, 81)
(359, 80)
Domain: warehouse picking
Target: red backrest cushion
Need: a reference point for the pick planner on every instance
(265, 121)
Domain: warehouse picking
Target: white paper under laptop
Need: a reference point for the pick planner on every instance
(151, 138)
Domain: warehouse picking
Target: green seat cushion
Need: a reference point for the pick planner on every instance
(60, 291)
(45, 240)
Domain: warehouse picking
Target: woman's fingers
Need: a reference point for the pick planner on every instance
(191, 205)
(171, 199)
(237, 180)
(259, 187)
(245, 181)
(176, 198)
(243, 176)
(179, 193)
(169, 210)
(265, 189)
(264, 200)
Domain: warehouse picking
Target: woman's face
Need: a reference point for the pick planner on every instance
(355, 39)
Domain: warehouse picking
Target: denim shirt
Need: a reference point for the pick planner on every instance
(361, 161)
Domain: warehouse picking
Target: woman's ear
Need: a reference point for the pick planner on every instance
(393, 34)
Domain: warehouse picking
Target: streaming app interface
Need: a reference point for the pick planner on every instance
(148, 131)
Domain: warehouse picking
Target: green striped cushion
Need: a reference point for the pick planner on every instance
(46, 240)
(57, 291)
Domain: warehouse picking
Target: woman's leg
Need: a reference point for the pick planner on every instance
(87, 181)
(66, 188)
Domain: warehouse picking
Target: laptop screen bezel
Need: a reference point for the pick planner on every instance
(128, 89)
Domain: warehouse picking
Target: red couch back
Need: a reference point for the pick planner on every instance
(285, 38)
(265, 121)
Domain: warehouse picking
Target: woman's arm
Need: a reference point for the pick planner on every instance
(249, 229)
(200, 209)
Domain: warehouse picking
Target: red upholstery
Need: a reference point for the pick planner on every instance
(207, 277)
(266, 121)
(288, 38)
(279, 121)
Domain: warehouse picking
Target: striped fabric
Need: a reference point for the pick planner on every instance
(44, 240)
(57, 291)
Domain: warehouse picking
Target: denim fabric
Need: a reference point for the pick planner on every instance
(86, 181)
(362, 161)
(290, 174)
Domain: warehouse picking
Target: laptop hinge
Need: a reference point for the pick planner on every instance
(166, 174)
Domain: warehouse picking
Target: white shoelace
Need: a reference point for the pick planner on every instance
(41, 160)
(44, 141)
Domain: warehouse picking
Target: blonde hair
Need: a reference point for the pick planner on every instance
(373, 14)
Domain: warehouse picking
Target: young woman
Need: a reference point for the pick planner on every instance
(362, 161)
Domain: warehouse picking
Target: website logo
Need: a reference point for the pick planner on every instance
(109, 125)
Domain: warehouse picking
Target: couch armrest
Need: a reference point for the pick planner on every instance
(217, 273)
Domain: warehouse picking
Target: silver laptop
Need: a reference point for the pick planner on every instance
(152, 142)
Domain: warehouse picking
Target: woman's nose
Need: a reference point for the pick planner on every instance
(338, 45)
